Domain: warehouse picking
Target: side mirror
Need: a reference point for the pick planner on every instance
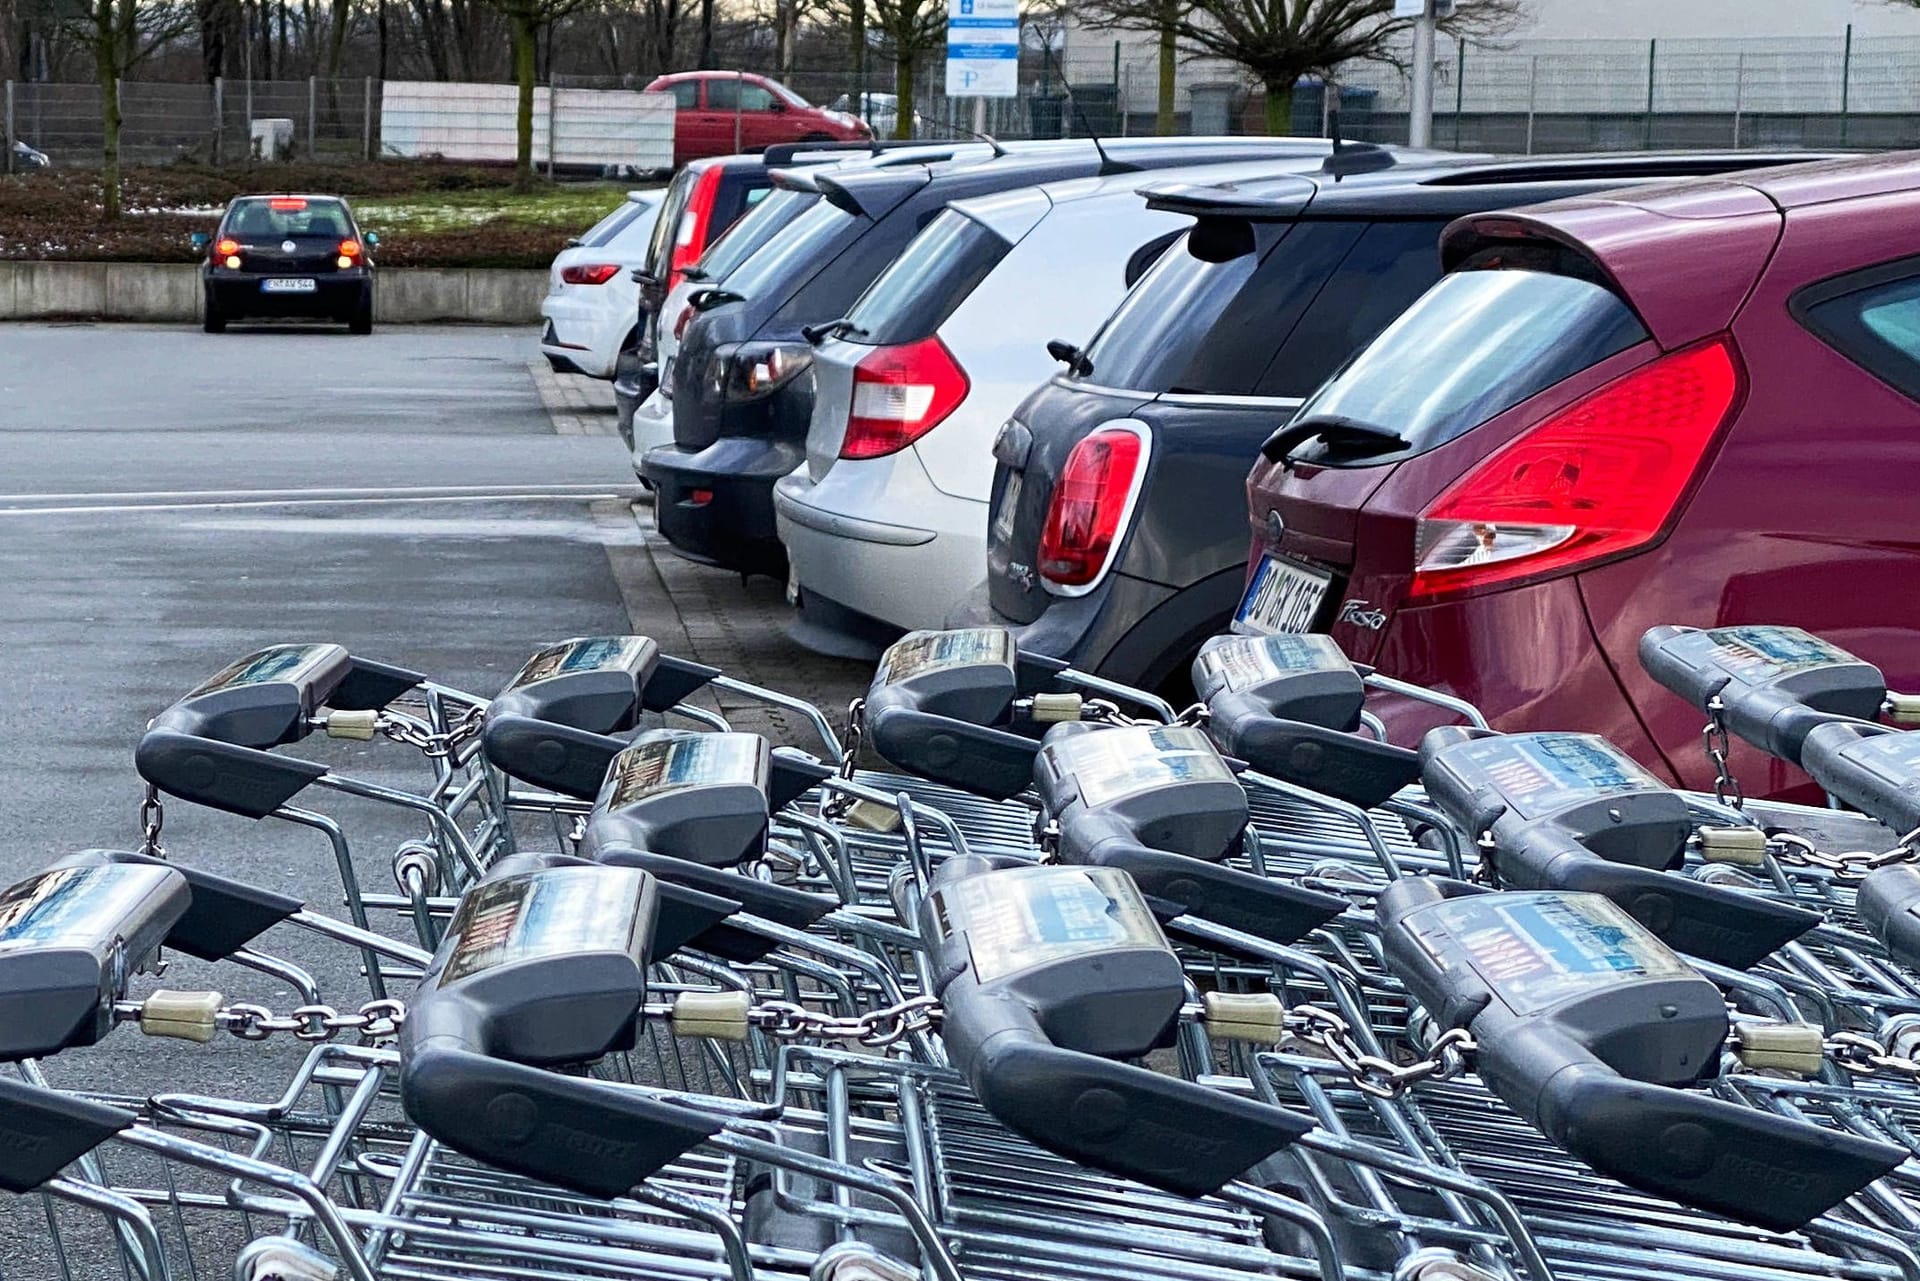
(373, 240)
(200, 240)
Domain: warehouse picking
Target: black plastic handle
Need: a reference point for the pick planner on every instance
(1176, 885)
(976, 758)
(44, 1131)
(1724, 926)
(544, 753)
(239, 780)
(1361, 771)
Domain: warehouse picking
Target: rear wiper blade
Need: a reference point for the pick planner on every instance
(1349, 433)
(841, 328)
(694, 274)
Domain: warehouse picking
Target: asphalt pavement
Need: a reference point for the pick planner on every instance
(171, 500)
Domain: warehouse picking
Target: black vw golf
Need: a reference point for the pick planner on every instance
(287, 256)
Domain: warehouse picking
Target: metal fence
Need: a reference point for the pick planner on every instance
(1522, 96)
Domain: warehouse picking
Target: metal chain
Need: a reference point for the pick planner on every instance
(1487, 872)
(1197, 715)
(835, 806)
(1329, 1032)
(375, 1021)
(1848, 865)
(1726, 788)
(1863, 1055)
(785, 1021)
(153, 817)
(434, 746)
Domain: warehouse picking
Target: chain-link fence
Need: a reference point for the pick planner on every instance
(1521, 96)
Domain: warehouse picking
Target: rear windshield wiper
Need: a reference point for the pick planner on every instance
(1349, 434)
(694, 274)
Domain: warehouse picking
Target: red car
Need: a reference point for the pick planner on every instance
(719, 113)
(1696, 403)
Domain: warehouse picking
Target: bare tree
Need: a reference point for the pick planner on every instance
(120, 35)
(1280, 41)
(908, 30)
(525, 19)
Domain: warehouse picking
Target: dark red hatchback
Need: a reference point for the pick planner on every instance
(1697, 403)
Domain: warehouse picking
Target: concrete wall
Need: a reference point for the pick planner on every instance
(171, 292)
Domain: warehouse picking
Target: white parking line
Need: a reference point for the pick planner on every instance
(299, 498)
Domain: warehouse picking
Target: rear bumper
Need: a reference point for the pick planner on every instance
(335, 294)
(586, 335)
(715, 506)
(649, 427)
(905, 576)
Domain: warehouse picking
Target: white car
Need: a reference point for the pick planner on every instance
(886, 524)
(592, 300)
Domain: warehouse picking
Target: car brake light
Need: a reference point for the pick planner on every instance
(690, 237)
(226, 248)
(288, 204)
(899, 395)
(349, 249)
(1598, 479)
(1090, 500)
(595, 273)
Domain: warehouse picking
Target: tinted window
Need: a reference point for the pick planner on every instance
(286, 217)
(1877, 327)
(1155, 333)
(758, 226)
(613, 224)
(660, 248)
(1475, 345)
(686, 95)
(801, 244)
(941, 267)
(1390, 265)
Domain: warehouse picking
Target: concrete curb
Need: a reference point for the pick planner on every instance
(171, 292)
(577, 405)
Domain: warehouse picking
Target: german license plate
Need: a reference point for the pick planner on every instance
(1282, 596)
(285, 285)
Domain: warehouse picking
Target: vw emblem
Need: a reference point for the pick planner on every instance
(1275, 526)
(287, 246)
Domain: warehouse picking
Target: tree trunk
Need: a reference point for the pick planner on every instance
(106, 68)
(1280, 107)
(857, 37)
(903, 94)
(706, 35)
(337, 38)
(525, 39)
(1169, 69)
(9, 39)
(786, 19)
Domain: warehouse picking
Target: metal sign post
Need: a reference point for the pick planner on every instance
(983, 52)
(1425, 13)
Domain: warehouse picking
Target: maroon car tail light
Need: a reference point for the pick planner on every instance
(899, 395)
(589, 273)
(690, 237)
(1602, 477)
(1091, 501)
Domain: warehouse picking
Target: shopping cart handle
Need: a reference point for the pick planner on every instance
(1159, 1130)
(239, 780)
(1176, 885)
(583, 1135)
(543, 753)
(70, 937)
(264, 700)
(783, 905)
(1757, 1167)
(1285, 677)
(1361, 771)
(994, 763)
(1889, 904)
(691, 794)
(1874, 768)
(1163, 786)
(43, 1131)
(222, 916)
(1775, 684)
(673, 681)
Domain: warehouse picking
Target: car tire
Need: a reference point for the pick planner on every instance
(214, 321)
(361, 322)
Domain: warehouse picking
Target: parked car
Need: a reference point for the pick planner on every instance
(643, 400)
(881, 111)
(719, 113)
(287, 256)
(26, 159)
(1689, 404)
(1118, 539)
(592, 298)
(886, 525)
(740, 407)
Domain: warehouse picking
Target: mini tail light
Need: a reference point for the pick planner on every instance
(1598, 479)
(899, 395)
(592, 273)
(690, 237)
(1090, 502)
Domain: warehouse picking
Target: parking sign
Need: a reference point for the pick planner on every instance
(983, 48)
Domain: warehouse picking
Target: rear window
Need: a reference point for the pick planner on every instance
(1473, 346)
(1872, 320)
(609, 227)
(798, 245)
(758, 226)
(288, 217)
(1156, 334)
(939, 270)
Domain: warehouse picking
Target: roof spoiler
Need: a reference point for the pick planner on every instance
(871, 193)
(1288, 199)
(783, 154)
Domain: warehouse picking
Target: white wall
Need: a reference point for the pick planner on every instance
(1712, 19)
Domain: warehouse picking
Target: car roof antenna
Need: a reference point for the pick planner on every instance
(1108, 165)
